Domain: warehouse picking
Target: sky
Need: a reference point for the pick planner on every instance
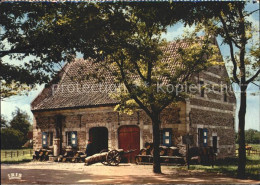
(253, 101)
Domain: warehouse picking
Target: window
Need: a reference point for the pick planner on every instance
(225, 94)
(202, 137)
(71, 138)
(202, 90)
(47, 139)
(215, 144)
(44, 139)
(166, 137)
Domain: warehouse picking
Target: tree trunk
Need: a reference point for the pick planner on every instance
(241, 135)
(156, 143)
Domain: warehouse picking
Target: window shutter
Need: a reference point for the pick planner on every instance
(167, 137)
(51, 138)
(44, 139)
(205, 137)
(74, 139)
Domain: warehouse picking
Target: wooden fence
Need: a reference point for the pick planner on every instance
(15, 154)
(250, 152)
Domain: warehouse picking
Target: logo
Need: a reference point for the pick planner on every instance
(15, 176)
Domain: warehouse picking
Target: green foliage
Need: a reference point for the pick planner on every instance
(44, 35)
(127, 33)
(14, 133)
(11, 138)
(252, 136)
(148, 72)
(4, 122)
(20, 121)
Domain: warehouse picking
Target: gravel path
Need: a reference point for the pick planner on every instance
(77, 173)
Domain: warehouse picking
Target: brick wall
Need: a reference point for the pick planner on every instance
(172, 117)
(213, 113)
(209, 112)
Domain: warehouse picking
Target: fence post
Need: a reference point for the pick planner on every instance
(5, 154)
(30, 152)
(11, 154)
(17, 153)
(23, 152)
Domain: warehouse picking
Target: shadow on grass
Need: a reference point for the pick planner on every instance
(228, 166)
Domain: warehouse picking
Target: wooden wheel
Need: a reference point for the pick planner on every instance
(140, 159)
(105, 161)
(113, 158)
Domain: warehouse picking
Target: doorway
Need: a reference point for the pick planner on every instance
(99, 137)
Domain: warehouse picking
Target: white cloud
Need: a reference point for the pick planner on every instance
(23, 102)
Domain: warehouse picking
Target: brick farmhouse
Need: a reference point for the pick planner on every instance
(65, 115)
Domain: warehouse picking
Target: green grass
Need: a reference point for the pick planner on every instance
(254, 146)
(229, 166)
(23, 156)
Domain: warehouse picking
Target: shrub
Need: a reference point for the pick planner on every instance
(11, 138)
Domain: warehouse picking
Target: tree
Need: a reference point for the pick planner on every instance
(11, 138)
(13, 134)
(252, 136)
(126, 35)
(151, 76)
(37, 33)
(4, 122)
(20, 122)
(234, 26)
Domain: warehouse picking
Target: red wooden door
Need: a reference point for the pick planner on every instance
(129, 138)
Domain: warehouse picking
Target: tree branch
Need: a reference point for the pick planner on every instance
(138, 71)
(256, 84)
(24, 49)
(243, 45)
(253, 77)
(250, 13)
(231, 49)
(142, 106)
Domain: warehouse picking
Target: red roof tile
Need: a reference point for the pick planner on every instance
(72, 90)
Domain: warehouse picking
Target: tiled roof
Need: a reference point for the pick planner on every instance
(73, 87)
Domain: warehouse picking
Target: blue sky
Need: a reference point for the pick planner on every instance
(253, 102)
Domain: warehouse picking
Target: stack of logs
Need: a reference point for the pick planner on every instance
(72, 156)
(164, 151)
(42, 155)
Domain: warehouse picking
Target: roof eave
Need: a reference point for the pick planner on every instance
(73, 108)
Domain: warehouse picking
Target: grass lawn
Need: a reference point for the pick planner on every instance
(24, 155)
(254, 146)
(229, 167)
